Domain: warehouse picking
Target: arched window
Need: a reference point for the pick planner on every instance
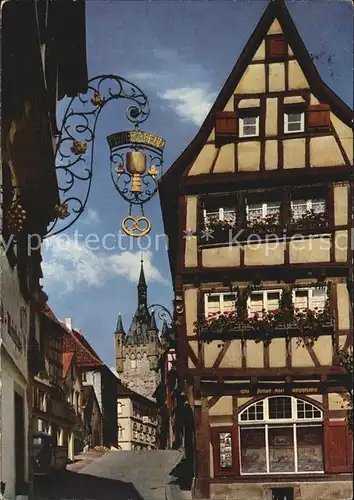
(280, 434)
(138, 360)
(132, 361)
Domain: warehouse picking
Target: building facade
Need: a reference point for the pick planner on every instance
(72, 436)
(53, 410)
(96, 374)
(34, 75)
(262, 278)
(138, 351)
(92, 417)
(137, 421)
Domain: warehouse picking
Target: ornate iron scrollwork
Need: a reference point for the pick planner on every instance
(75, 147)
(162, 313)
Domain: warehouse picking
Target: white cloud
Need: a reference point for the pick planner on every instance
(91, 217)
(184, 86)
(189, 103)
(68, 264)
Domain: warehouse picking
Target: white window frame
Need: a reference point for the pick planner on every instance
(221, 210)
(309, 291)
(265, 297)
(221, 301)
(267, 422)
(286, 123)
(242, 125)
(264, 208)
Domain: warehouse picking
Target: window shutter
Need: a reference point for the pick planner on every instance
(277, 47)
(318, 117)
(225, 123)
(338, 447)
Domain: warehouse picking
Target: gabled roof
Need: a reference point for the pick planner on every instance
(48, 314)
(76, 343)
(275, 9)
(168, 185)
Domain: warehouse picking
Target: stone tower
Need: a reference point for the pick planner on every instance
(137, 351)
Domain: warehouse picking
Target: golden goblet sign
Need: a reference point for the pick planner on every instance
(136, 166)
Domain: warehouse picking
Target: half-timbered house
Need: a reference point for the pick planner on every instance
(257, 213)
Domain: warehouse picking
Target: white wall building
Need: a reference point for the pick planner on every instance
(14, 378)
(137, 421)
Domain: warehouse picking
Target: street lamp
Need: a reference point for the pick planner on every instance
(136, 156)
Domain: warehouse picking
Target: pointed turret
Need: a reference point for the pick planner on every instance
(152, 331)
(164, 334)
(119, 335)
(120, 327)
(153, 322)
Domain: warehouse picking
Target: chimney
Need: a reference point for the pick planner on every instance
(68, 323)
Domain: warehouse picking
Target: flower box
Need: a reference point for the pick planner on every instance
(278, 323)
(309, 220)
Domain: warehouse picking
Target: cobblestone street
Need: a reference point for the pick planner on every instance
(113, 476)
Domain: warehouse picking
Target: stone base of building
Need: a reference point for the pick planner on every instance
(200, 488)
(311, 490)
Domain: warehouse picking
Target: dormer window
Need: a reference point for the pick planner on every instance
(294, 121)
(249, 126)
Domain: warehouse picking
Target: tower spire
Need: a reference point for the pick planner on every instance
(142, 287)
(142, 281)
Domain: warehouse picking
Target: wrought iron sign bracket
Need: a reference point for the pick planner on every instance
(136, 156)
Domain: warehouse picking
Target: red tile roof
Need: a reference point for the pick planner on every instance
(49, 314)
(76, 343)
(67, 360)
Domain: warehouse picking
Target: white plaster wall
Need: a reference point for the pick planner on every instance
(94, 378)
(13, 303)
(9, 375)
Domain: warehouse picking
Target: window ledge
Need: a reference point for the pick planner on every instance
(244, 331)
(241, 235)
(283, 478)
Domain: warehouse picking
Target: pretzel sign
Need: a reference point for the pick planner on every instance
(136, 226)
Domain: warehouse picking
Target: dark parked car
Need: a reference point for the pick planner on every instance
(47, 456)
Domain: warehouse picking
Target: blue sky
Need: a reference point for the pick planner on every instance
(180, 53)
